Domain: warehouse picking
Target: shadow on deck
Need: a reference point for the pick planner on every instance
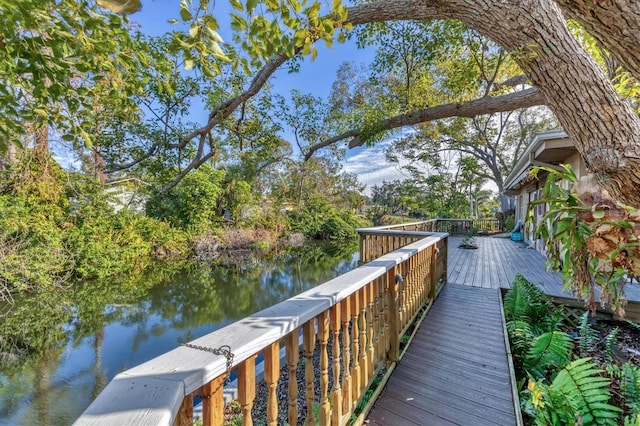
(456, 370)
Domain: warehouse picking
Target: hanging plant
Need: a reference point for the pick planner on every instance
(589, 237)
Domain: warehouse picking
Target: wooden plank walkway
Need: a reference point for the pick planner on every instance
(455, 372)
(496, 261)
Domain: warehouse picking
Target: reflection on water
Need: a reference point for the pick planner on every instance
(58, 351)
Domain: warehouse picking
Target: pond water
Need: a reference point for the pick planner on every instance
(59, 350)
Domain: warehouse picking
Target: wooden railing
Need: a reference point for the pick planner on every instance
(380, 240)
(349, 327)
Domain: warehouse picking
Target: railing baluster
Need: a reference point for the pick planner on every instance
(363, 340)
(394, 327)
(347, 389)
(293, 349)
(385, 316)
(379, 328)
(309, 344)
(370, 347)
(355, 373)
(323, 335)
(336, 392)
(247, 388)
(213, 402)
(185, 416)
(271, 374)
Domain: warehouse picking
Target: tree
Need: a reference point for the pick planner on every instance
(56, 58)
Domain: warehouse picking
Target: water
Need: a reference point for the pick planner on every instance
(80, 338)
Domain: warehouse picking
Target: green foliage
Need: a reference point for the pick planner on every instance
(194, 204)
(589, 337)
(578, 395)
(66, 228)
(526, 302)
(549, 350)
(566, 228)
(509, 223)
(320, 220)
(57, 58)
(559, 390)
(629, 376)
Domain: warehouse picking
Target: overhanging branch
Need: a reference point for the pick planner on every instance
(485, 105)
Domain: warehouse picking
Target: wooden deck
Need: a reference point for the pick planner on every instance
(497, 261)
(455, 371)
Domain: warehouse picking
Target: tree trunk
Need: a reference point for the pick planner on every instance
(98, 165)
(603, 126)
(41, 144)
(615, 24)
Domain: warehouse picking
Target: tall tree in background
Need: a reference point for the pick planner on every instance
(430, 63)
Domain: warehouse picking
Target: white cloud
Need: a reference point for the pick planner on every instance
(371, 167)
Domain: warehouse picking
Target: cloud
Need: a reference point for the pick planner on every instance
(371, 167)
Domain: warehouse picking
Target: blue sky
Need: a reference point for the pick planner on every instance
(314, 77)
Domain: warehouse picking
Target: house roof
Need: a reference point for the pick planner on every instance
(547, 148)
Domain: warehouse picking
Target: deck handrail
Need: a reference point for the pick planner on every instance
(366, 310)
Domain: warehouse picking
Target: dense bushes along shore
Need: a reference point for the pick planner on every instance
(56, 225)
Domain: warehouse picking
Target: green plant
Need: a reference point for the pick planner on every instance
(578, 395)
(551, 349)
(589, 337)
(629, 376)
(610, 341)
(588, 237)
(526, 302)
(509, 223)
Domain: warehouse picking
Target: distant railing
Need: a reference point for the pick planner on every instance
(449, 226)
(353, 325)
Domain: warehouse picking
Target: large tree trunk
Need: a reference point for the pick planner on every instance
(614, 23)
(604, 127)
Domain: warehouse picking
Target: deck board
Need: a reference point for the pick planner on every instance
(455, 371)
(497, 261)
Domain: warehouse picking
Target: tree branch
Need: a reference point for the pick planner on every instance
(486, 105)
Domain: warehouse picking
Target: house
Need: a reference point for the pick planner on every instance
(547, 149)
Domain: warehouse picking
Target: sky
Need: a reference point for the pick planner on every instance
(316, 78)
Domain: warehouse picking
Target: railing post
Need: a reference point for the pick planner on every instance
(433, 273)
(247, 388)
(394, 326)
(271, 374)
(309, 344)
(213, 402)
(293, 349)
(185, 416)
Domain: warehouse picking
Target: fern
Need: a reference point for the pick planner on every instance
(526, 302)
(520, 337)
(589, 337)
(633, 324)
(581, 386)
(610, 341)
(629, 376)
(551, 349)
